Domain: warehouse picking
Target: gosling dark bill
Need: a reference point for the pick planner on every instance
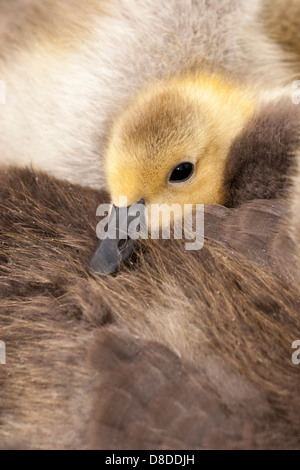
(118, 241)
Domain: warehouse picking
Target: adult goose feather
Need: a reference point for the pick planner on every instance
(200, 350)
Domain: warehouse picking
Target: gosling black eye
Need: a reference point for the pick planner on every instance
(182, 173)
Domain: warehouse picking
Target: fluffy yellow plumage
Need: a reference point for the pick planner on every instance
(193, 119)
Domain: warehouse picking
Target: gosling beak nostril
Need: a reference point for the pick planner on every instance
(110, 253)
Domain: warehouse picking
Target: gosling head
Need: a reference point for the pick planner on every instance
(171, 143)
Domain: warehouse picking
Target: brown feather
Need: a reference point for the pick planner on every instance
(222, 317)
(281, 20)
(262, 157)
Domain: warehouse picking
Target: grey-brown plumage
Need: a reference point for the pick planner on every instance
(262, 159)
(280, 19)
(229, 311)
(295, 214)
(166, 403)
